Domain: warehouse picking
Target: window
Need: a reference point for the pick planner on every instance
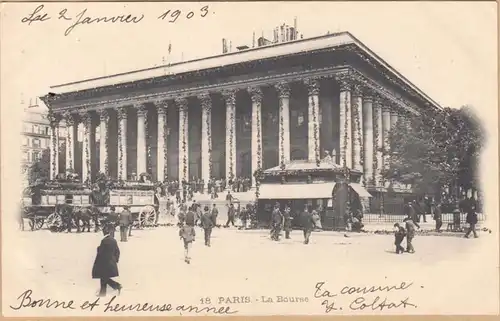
(36, 143)
(26, 156)
(26, 141)
(36, 156)
(35, 129)
(47, 130)
(26, 128)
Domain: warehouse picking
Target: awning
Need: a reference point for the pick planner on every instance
(362, 192)
(296, 191)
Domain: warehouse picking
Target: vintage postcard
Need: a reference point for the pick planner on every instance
(249, 158)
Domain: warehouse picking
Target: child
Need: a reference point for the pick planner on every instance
(399, 235)
(187, 233)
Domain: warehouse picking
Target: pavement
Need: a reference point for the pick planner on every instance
(443, 272)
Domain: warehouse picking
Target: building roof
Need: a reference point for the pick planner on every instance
(269, 51)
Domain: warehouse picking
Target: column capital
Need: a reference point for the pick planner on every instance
(85, 116)
(283, 89)
(345, 81)
(103, 115)
(255, 94)
(229, 96)
(312, 86)
(161, 105)
(122, 113)
(357, 90)
(53, 118)
(394, 111)
(141, 109)
(205, 100)
(181, 103)
(69, 118)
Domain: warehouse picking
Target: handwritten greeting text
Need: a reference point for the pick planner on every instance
(26, 300)
(84, 17)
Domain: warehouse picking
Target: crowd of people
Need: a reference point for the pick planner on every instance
(187, 190)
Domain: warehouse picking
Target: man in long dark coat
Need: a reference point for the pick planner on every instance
(106, 263)
(287, 226)
(471, 218)
(307, 222)
(231, 215)
(276, 223)
(215, 213)
(207, 224)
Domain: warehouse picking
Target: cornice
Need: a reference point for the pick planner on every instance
(342, 72)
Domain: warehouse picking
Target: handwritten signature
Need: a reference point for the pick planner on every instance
(38, 15)
(363, 300)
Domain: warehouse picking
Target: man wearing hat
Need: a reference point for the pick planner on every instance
(125, 221)
(276, 221)
(106, 262)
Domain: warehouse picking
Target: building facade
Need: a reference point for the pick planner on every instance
(35, 145)
(229, 115)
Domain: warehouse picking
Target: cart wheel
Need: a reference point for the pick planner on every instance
(39, 222)
(147, 216)
(54, 219)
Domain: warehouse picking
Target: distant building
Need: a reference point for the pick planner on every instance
(35, 137)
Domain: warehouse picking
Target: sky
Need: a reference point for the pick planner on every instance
(432, 44)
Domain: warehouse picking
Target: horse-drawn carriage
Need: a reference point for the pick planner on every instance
(64, 205)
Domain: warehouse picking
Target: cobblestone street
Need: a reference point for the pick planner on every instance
(247, 263)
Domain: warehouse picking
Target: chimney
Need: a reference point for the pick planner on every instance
(295, 23)
(253, 40)
(287, 33)
(224, 45)
(301, 36)
(230, 46)
(292, 33)
(282, 33)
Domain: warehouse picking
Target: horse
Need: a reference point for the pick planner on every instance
(84, 215)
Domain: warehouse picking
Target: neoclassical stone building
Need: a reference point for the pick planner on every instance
(228, 115)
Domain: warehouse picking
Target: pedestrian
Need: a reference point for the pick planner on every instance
(277, 222)
(215, 213)
(399, 235)
(471, 219)
(438, 216)
(231, 213)
(187, 234)
(191, 216)
(317, 219)
(111, 220)
(287, 226)
(207, 224)
(307, 223)
(411, 227)
(125, 222)
(106, 262)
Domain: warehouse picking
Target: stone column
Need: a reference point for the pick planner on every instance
(103, 141)
(161, 152)
(256, 96)
(141, 139)
(230, 99)
(206, 138)
(313, 120)
(357, 128)
(86, 150)
(122, 144)
(394, 117)
(54, 144)
(378, 142)
(70, 141)
(386, 125)
(368, 140)
(283, 89)
(345, 124)
(182, 104)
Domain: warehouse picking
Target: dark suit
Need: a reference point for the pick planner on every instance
(276, 219)
(231, 213)
(106, 264)
(471, 218)
(190, 218)
(307, 225)
(438, 217)
(207, 224)
(125, 221)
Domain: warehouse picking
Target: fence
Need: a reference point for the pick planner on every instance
(393, 218)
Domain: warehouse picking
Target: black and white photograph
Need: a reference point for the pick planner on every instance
(249, 158)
